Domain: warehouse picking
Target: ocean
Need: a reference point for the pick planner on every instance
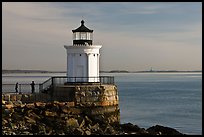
(147, 99)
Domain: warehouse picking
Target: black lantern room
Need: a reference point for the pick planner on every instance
(82, 35)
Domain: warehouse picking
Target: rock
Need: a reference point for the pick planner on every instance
(4, 122)
(78, 131)
(65, 109)
(72, 122)
(161, 130)
(70, 104)
(13, 97)
(9, 106)
(35, 116)
(39, 104)
(18, 103)
(59, 118)
(56, 102)
(82, 123)
(30, 105)
(110, 130)
(75, 111)
(29, 120)
(3, 102)
(60, 104)
(55, 108)
(87, 120)
(35, 128)
(95, 127)
(129, 127)
(8, 112)
(50, 113)
(87, 132)
(20, 106)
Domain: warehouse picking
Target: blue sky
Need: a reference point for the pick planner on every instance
(134, 35)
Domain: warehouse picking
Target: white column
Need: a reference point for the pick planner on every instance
(98, 55)
(88, 65)
(67, 63)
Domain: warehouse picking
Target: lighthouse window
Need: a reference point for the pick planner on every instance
(94, 54)
(83, 35)
(80, 55)
(76, 36)
(88, 36)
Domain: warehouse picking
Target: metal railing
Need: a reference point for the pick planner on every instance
(82, 80)
(45, 85)
(58, 80)
(22, 88)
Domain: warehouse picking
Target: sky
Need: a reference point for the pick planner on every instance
(134, 36)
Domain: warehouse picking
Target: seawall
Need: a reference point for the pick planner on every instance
(101, 102)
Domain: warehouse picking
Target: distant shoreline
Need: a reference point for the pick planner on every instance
(112, 71)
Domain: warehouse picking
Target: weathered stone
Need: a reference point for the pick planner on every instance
(30, 105)
(72, 122)
(95, 127)
(64, 116)
(7, 97)
(65, 109)
(87, 132)
(55, 108)
(51, 114)
(3, 102)
(77, 88)
(78, 131)
(87, 120)
(77, 98)
(35, 116)
(4, 122)
(60, 104)
(39, 104)
(88, 94)
(9, 102)
(56, 102)
(105, 103)
(29, 120)
(18, 97)
(110, 130)
(70, 104)
(75, 111)
(9, 106)
(21, 105)
(17, 103)
(161, 130)
(83, 100)
(82, 123)
(13, 97)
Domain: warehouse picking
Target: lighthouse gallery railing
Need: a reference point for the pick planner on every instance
(63, 80)
(58, 80)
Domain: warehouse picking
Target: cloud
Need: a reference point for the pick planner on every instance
(135, 36)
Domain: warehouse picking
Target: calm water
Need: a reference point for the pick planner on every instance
(147, 99)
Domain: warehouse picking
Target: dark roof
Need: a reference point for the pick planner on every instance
(82, 28)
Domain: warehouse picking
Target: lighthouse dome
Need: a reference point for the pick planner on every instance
(82, 28)
(82, 35)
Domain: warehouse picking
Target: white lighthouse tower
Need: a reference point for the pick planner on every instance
(83, 56)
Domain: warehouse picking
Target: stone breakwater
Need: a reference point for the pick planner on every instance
(97, 101)
(21, 116)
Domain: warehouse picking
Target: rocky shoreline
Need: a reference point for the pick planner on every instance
(53, 119)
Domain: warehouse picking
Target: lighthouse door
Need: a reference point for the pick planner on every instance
(80, 74)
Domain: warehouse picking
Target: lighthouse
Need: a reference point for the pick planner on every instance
(82, 88)
(83, 56)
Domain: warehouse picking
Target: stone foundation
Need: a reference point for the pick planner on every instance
(98, 101)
